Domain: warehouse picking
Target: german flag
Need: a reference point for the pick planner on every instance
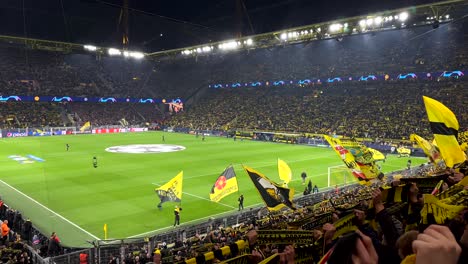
(225, 184)
(444, 126)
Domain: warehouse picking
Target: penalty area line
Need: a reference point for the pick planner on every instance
(57, 214)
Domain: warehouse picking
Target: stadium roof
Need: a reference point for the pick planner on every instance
(191, 29)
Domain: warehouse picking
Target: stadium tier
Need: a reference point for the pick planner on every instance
(116, 160)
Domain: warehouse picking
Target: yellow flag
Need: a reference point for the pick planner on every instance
(85, 126)
(171, 191)
(347, 158)
(105, 231)
(376, 155)
(284, 171)
(431, 151)
(444, 126)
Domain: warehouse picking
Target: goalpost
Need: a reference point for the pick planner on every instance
(339, 175)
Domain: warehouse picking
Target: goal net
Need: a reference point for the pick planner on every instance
(340, 175)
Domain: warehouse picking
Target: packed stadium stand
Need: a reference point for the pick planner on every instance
(385, 108)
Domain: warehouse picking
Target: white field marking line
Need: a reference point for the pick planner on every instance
(240, 164)
(203, 198)
(223, 213)
(61, 217)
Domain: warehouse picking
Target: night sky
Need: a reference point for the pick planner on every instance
(167, 24)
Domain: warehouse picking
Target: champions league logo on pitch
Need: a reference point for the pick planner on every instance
(145, 149)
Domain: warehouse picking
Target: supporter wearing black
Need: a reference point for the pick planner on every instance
(303, 176)
(241, 202)
(54, 245)
(177, 215)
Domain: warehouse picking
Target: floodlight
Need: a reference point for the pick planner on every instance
(90, 47)
(335, 27)
(362, 23)
(447, 16)
(249, 42)
(113, 52)
(206, 49)
(378, 20)
(403, 16)
(137, 55)
(228, 45)
(369, 21)
(284, 36)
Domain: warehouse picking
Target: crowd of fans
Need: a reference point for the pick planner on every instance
(385, 230)
(375, 109)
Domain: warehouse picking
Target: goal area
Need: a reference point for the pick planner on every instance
(340, 175)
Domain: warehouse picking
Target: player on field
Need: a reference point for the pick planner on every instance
(68, 146)
(95, 162)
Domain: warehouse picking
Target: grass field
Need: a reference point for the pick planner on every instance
(64, 193)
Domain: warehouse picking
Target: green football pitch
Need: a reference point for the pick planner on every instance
(61, 191)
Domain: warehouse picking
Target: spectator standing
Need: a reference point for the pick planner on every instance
(241, 202)
(303, 176)
(177, 215)
(5, 232)
(54, 245)
(316, 189)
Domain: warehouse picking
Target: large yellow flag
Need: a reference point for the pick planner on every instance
(171, 191)
(431, 151)
(85, 126)
(444, 126)
(346, 157)
(225, 184)
(284, 171)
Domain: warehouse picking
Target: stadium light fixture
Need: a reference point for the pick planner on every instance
(335, 27)
(113, 52)
(90, 47)
(126, 54)
(369, 21)
(137, 55)
(249, 42)
(206, 49)
(403, 16)
(228, 45)
(283, 36)
(378, 21)
(447, 16)
(362, 23)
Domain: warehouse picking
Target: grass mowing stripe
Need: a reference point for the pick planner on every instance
(119, 192)
(43, 206)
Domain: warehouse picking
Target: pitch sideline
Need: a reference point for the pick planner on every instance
(43, 206)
